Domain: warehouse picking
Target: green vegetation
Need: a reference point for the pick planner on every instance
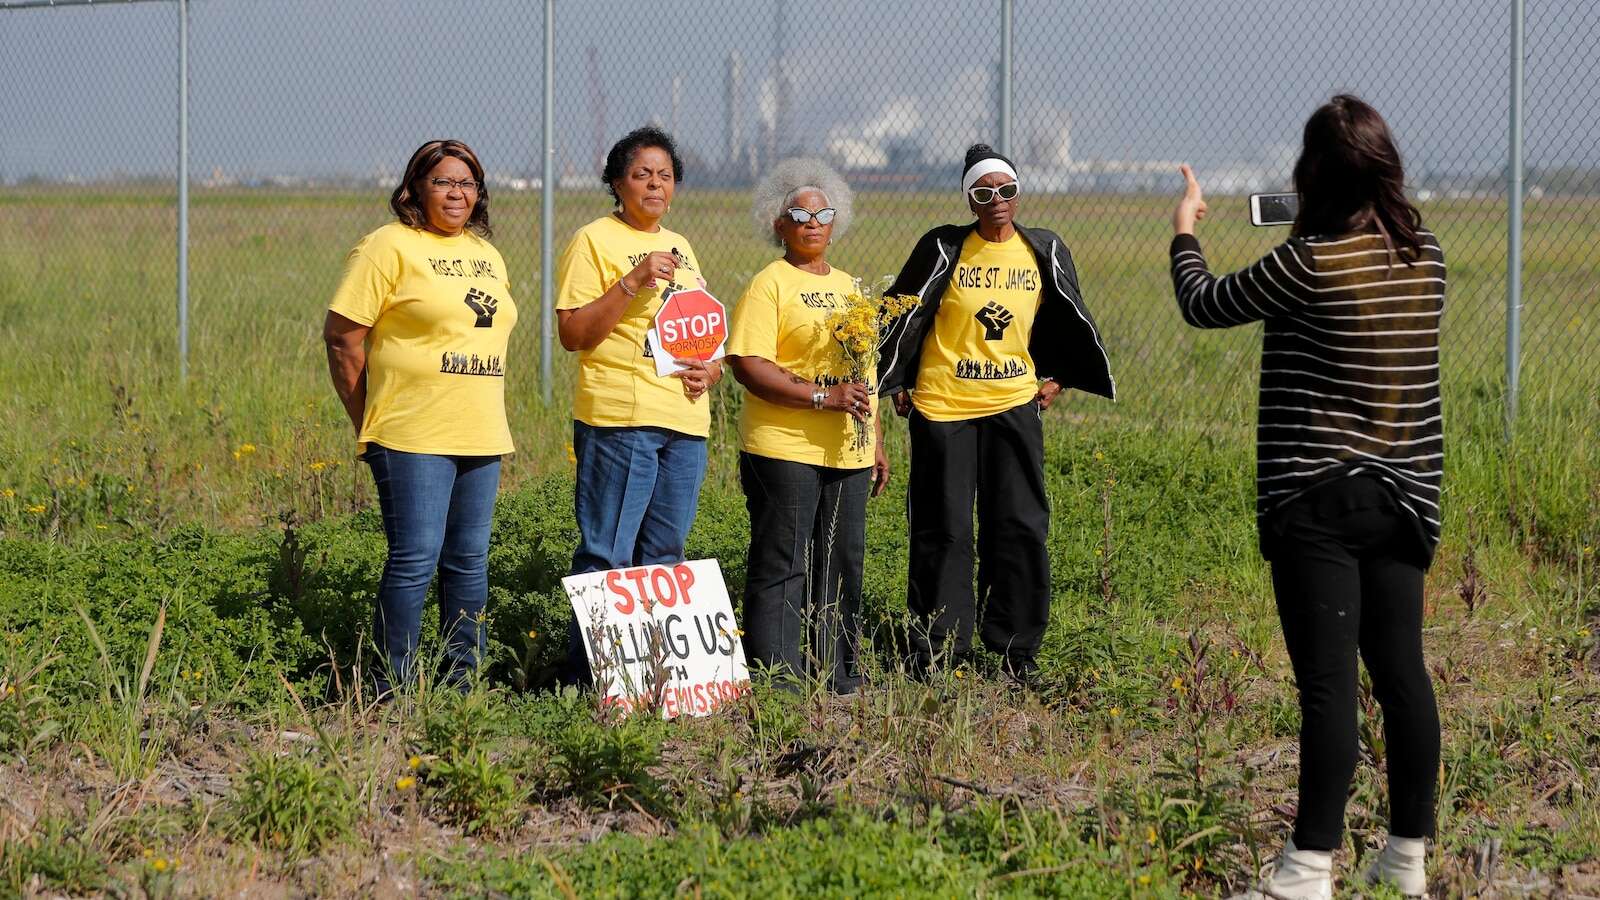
(186, 572)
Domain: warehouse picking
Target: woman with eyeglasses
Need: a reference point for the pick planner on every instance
(1002, 329)
(805, 476)
(416, 336)
(639, 437)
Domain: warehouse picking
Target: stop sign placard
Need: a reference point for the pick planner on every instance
(691, 324)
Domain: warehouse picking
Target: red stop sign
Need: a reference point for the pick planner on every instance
(691, 324)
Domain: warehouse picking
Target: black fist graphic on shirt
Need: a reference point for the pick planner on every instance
(484, 306)
(995, 319)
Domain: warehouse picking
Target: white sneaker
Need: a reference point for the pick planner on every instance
(1297, 875)
(1401, 864)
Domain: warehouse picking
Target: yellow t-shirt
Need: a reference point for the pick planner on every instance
(617, 382)
(975, 361)
(781, 319)
(440, 310)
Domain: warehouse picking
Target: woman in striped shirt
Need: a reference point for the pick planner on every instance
(1349, 456)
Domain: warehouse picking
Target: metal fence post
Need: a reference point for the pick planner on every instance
(1005, 77)
(547, 205)
(1514, 191)
(183, 189)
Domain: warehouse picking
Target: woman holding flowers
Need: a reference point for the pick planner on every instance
(1002, 328)
(807, 461)
(639, 438)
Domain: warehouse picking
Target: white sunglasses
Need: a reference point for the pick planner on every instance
(983, 196)
(803, 216)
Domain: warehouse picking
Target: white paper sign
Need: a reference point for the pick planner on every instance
(661, 637)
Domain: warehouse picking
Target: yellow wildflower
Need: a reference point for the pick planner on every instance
(37, 509)
(1144, 879)
(405, 782)
(532, 633)
(8, 493)
(159, 864)
(1177, 684)
(318, 466)
(1150, 836)
(414, 763)
(148, 853)
(1116, 712)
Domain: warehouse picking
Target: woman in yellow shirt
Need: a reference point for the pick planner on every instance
(416, 337)
(1001, 330)
(639, 438)
(805, 477)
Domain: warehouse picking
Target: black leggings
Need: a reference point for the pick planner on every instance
(1347, 576)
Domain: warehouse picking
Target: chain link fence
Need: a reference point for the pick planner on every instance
(302, 114)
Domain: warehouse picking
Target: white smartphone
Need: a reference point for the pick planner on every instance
(1274, 209)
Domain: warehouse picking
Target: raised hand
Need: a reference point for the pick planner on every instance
(1191, 206)
(995, 319)
(484, 306)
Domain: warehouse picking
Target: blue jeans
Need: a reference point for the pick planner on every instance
(436, 515)
(637, 489)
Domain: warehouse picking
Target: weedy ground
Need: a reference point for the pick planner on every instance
(187, 570)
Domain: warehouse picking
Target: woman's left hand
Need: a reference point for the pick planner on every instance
(1048, 390)
(698, 376)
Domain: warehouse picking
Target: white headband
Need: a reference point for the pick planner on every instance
(986, 167)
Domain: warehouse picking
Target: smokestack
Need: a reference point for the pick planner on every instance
(677, 103)
(733, 107)
(780, 85)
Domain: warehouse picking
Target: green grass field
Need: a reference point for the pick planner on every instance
(186, 567)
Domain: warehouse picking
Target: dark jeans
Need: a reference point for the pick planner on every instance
(637, 490)
(1348, 576)
(802, 592)
(996, 461)
(436, 515)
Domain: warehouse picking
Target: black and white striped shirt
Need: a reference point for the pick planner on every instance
(1349, 364)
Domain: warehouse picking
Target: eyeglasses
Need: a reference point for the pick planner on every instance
(983, 196)
(445, 184)
(802, 216)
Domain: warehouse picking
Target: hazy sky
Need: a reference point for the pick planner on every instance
(296, 86)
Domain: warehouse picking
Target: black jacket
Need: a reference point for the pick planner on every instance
(1065, 344)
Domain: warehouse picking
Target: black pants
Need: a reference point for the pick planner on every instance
(1348, 576)
(997, 461)
(802, 590)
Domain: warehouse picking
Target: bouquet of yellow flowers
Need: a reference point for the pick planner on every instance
(860, 324)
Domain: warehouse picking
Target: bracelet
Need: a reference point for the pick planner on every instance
(818, 395)
(623, 283)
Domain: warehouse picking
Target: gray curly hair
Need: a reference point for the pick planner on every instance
(777, 188)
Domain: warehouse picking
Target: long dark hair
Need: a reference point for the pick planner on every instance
(1349, 174)
(406, 201)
